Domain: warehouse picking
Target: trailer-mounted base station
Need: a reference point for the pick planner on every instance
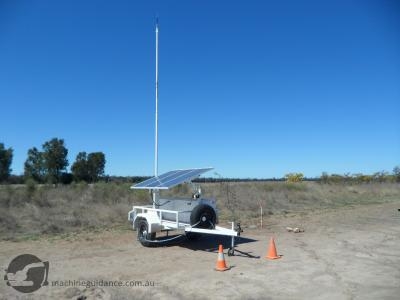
(192, 217)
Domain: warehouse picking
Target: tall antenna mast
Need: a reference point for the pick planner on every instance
(156, 135)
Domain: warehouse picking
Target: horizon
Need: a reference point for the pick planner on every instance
(256, 90)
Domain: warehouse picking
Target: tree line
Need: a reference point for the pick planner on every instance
(49, 164)
(381, 177)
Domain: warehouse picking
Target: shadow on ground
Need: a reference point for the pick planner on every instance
(208, 243)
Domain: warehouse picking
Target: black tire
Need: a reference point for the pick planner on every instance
(231, 252)
(193, 236)
(143, 236)
(203, 216)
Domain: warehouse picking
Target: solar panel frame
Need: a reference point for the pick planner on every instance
(170, 179)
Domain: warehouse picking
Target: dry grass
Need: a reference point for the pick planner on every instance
(241, 201)
(28, 211)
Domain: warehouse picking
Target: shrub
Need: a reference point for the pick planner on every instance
(294, 177)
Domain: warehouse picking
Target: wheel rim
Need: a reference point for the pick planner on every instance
(206, 219)
(203, 216)
(142, 232)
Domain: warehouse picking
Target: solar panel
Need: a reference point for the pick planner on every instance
(170, 179)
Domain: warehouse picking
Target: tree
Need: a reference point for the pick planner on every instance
(66, 178)
(324, 177)
(362, 178)
(96, 162)
(55, 159)
(34, 167)
(381, 176)
(80, 167)
(6, 156)
(88, 167)
(396, 172)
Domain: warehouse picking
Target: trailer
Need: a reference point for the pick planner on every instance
(191, 217)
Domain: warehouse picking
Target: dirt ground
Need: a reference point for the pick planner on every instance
(347, 253)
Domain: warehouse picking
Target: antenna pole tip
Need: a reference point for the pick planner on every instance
(157, 23)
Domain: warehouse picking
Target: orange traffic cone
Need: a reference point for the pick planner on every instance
(221, 265)
(272, 250)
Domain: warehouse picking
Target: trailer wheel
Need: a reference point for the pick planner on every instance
(203, 216)
(143, 236)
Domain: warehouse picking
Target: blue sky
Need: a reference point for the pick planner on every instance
(252, 88)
